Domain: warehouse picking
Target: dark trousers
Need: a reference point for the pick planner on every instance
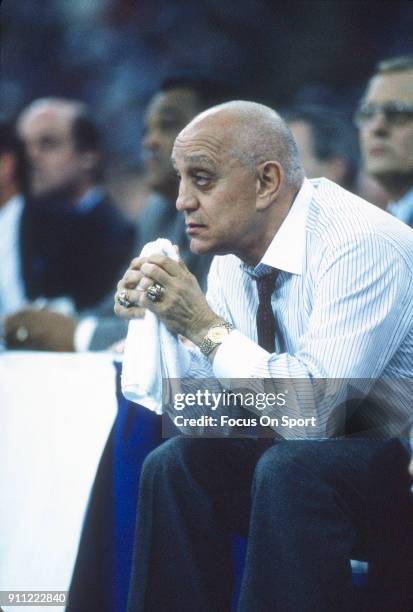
(307, 507)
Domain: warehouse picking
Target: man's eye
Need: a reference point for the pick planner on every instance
(49, 145)
(201, 180)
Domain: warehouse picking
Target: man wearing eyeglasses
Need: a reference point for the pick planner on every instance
(385, 122)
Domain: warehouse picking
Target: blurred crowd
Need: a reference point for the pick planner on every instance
(93, 95)
(65, 241)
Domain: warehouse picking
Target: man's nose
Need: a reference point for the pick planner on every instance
(186, 199)
(150, 141)
(378, 124)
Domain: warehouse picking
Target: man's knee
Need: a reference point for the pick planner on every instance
(163, 460)
(278, 457)
(284, 461)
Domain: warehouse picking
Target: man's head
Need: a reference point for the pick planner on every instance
(169, 111)
(385, 121)
(327, 145)
(239, 173)
(62, 145)
(12, 163)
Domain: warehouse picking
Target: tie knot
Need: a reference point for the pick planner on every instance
(265, 285)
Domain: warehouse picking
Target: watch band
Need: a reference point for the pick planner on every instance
(207, 345)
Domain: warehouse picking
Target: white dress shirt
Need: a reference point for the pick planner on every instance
(343, 300)
(12, 294)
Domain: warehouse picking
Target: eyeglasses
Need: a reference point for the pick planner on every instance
(395, 113)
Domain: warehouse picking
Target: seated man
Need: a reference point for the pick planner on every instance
(68, 225)
(329, 279)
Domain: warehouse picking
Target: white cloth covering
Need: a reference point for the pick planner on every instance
(152, 352)
(56, 412)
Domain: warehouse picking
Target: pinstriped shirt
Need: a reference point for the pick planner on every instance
(343, 300)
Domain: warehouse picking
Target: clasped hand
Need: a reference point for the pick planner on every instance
(182, 307)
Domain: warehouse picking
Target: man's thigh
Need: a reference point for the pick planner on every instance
(368, 477)
(222, 468)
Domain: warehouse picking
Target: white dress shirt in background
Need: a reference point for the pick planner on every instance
(12, 295)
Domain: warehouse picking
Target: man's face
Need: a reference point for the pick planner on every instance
(217, 193)
(386, 146)
(168, 113)
(55, 164)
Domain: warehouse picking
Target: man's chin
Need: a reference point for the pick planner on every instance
(202, 247)
(392, 179)
(199, 247)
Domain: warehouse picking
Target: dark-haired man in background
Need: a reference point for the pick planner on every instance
(326, 143)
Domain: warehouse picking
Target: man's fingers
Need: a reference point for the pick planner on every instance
(144, 284)
(128, 313)
(128, 295)
(170, 266)
(136, 262)
(155, 274)
(131, 279)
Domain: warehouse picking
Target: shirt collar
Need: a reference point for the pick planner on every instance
(12, 207)
(90, 199)
(403, 208)
(286, 250)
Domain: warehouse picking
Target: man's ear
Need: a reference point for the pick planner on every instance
(270, 176)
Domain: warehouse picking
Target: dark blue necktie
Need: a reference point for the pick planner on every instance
(266, 326)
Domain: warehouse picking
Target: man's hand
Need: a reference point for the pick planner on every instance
(40, 330)
(182, 308)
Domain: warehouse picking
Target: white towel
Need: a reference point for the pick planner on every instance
(152, 352)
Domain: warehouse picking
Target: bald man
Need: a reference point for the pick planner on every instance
(74, 241)
(309, 282)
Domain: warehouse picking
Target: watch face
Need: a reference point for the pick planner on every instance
(217, 334)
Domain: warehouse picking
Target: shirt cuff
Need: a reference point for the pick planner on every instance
(236, 356)
(83, 334)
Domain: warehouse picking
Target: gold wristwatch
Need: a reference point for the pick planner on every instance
(216, 334)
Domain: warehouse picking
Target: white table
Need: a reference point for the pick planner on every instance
(56, 411)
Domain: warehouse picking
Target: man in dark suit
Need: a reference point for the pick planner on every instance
(68, 223)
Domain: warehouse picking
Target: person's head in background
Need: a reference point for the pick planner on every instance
(176, 103)
(385, 121)
(63, 148)
(327, 144)
(13, 168)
